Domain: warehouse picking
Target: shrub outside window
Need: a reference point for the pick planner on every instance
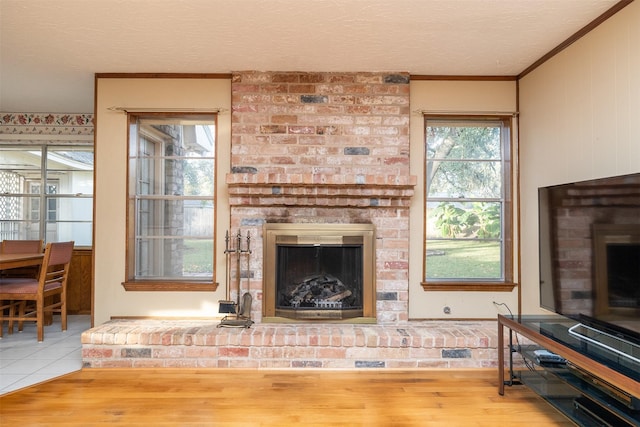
(468, 221)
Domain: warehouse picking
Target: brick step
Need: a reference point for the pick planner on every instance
(201, 343)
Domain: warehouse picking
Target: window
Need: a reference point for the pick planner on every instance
(171, 197)
(468, 219)
(46, 192)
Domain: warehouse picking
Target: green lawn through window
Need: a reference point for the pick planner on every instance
(463, 259)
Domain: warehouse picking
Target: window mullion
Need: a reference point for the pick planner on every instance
(43, 196)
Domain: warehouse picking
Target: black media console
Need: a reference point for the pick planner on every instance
(590, 376)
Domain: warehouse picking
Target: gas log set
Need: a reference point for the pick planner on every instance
(320, 291)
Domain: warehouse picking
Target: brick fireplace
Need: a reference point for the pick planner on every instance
(312, 151)
(325, 148)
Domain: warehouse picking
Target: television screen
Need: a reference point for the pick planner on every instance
(589, 240)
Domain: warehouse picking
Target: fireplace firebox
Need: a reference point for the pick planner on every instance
(319, 272)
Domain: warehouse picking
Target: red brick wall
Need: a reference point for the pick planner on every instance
(324, 148)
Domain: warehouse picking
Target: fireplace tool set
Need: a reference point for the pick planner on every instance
(238, 312)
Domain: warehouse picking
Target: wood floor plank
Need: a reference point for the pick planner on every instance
(221, 397)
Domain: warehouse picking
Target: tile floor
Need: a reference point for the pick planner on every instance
(24, 361)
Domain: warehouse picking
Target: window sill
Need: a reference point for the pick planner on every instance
(468, 286)
(177, 286)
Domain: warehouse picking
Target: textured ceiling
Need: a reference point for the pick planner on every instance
(50, 49)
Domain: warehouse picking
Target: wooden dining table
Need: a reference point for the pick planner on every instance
(8, 261)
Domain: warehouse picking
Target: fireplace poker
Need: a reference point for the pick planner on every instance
(227, 306)
(245, 308)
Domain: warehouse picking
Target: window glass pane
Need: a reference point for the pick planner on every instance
(34, 208)
(463, 259)
(14, 223)
(62, 231)
(464, 141)
(174, 258)
(21, 158)
(175, 217)
(463, 241)
(198, 257)
(464, 180)
(197, 175)
(469, 220)
(15, 219)
(18, 167)
(198, 218)
(52, 209)
(19, 230)
(72, 170)
(33, 187)
(72, 208)
(147, 181)
(15, 207)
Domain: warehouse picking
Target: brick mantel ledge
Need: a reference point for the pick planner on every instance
(256, 189)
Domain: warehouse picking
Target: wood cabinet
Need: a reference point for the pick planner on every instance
(79, 282)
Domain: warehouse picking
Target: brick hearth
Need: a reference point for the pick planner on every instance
(199, 343)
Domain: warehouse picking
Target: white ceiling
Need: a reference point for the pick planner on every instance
(50, 49)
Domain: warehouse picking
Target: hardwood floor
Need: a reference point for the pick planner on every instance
(221, 397)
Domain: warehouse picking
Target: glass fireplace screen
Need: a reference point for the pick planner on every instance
(319, 277)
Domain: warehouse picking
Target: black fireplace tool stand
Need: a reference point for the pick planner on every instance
(239, 315)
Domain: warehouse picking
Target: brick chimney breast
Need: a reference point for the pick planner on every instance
(325, 148)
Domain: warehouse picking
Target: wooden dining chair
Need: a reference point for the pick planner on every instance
(29, 298)
(20, 247)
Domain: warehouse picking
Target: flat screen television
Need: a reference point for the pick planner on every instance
(589, 241)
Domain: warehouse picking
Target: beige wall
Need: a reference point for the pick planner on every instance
(451, 97)
(579, 119)
(110, 298)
